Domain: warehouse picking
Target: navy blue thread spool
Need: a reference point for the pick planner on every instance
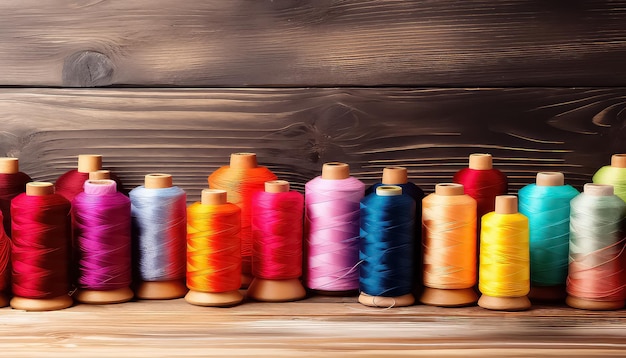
(386, 248)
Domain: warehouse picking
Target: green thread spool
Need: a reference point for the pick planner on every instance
(615, 175)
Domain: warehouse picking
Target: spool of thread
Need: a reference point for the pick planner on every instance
(5, 267)
(449, 241)
(159, 220)
(504, 274)
(615, 175)
(399, 176)
(71, 183)
(482, 182)
(332, 223)
(277, 216)
(102, 231)
(596, 252)
(546, 204)
(213, 251)
(12, 183)
(386, 249)
(241, 179)
(41, 249)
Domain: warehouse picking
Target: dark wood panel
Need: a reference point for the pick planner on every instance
(312, 43)
(316, 327)
(191, 132)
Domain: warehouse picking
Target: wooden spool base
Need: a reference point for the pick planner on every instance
(386, 302)
(276, 290)
(246, 280)
(214, 299)
(504, 303)
(161, 290)
(104, 297)
(592, 305)
(547, 293)
(46, 304)
(449, 298)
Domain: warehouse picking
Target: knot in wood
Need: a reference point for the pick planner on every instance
(87, 69)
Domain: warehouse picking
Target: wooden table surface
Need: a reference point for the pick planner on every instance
(318, 326)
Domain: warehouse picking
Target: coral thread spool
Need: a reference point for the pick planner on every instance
(92, 223)
(387, 247)
(504, 275)
(163, 289)
(241, 179)
(5, 267)
(547, 206)
(212, 199)
(64, 233)
(449, 241)
(12, 183)
(615, 175)
(596, 276)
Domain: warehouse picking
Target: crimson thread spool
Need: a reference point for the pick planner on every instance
(158, 210)
(102, 230)
(213, 251)
(71, 183)
(277, 221)
(482, 182)
(41, 249)
(596, 276)
(12, 183)
(241, 179)
(449, 241)
(504, 274)
(5, 267)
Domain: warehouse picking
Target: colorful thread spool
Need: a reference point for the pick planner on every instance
(615, 175)
(12, 183)
(504, 274)
(449, 243)
(158, 211)
(482, 182)
(332, 224)
(546, 204)
(5, 267)
(399, 176)
(241, 179)
(386, 249)
(277, 221)
(41, 249)
(71, 183)
(596, 279)
(102, 230)
(213, 251)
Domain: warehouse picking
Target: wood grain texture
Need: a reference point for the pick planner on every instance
(316, 327)
(192, 132)
(312, 43)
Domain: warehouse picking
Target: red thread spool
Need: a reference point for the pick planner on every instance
(41, 249)
(5, 268)
(277, 224)
(241, 179)
(12, 183)
(71, 183)
(482, 182)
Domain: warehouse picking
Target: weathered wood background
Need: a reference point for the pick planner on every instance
(176, 86)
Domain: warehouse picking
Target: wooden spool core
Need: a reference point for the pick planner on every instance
(100, 174)
(160, 290)
(618, 160)
(335, 171)
(88, 163)
(449, 297)
(554, 293)
(584, 303)
(386, 301)
(276, 290)
(480, 161)
(505, 204)
(39, 188)
(9, 166)
(243, 160)
(213, 197)
(395, 175)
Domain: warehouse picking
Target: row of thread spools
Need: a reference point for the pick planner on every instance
(249, 228)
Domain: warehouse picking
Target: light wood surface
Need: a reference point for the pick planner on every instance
(189, 133)
(312, 43)
(316, 327)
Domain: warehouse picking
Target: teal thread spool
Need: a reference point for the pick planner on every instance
(615, 175)
(547, 206)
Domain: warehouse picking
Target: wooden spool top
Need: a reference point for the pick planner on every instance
(395, 175)
(388, 190)
(243, 160)
(158, 181)
(39, 188)
(100, 174)
(9, 166)
(449, 189)
(335, 171)
(88, 163)
(480, 161)
(550, 179)
(213, 197)
(276, 186)
(598, 189)
(506, 204)
(618, 160)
